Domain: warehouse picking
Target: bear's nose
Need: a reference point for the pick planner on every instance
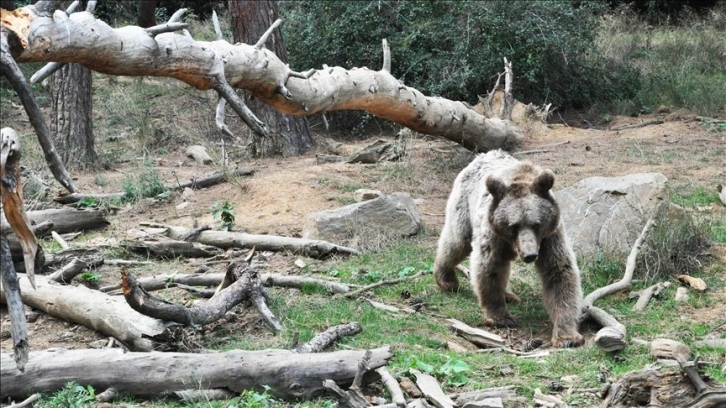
(530, 257)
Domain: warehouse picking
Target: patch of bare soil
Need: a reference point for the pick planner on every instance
(282, 192)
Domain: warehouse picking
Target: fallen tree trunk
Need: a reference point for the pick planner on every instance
(69, 219)
(170, 248)
(288, 374)
(218, 65)
(108, 315)
(227, 239)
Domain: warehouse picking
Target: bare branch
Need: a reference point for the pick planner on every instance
(165, 28)
(177, 16)
(386, 56)
(263, 39)
(217, 26)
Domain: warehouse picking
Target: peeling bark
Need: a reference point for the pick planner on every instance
(206, 65)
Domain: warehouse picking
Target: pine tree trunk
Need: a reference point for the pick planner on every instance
(290, 134)
(71, 123)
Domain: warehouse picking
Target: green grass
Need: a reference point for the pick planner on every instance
(681, 65)
(696, 197)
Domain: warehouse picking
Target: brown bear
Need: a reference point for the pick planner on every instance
(501, 209)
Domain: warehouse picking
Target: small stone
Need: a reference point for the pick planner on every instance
(485, 403)
(187, 193)
(300, 263)
(183, 205)
(365, 194)
(681, 295)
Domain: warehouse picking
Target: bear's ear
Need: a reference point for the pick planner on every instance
(496, 188)
(543, 182)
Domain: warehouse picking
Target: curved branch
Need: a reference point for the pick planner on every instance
(131, 51)
(10, 70)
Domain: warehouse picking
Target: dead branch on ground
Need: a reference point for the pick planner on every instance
(289, 375)
(612, 335)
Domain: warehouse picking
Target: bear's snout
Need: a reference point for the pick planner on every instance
(527, 246)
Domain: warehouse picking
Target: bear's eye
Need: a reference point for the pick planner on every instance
(514, 227)
(535, 226)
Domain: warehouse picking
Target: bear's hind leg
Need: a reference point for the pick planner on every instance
(489, 277)
(454, 246)
(561, 289)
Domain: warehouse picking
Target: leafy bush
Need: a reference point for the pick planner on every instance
(72, 395)
(455, 49)
(147, 184)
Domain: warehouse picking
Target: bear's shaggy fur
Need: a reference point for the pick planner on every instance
(501, 209)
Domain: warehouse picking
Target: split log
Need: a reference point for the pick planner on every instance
(110, 316)
(289, 375)
(506, 393)
(432, 390)
(219, 65)
(227, 239)
(481, 338)
(392, 386)
(193, 183)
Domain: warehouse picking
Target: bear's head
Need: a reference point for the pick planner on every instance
(523, 211)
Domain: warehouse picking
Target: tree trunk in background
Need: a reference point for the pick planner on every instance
(71, 123)
(145, 16)
(290, 134)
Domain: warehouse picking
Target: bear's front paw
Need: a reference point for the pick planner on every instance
(446, 283)
(501, 321)
(567, 341)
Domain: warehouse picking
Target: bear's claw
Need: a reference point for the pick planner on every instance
(568, 341)
(501, 321)
(446, 284)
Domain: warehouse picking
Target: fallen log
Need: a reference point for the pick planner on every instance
(214, 279)
(69, 219)
(193, 183)
(227, 239)
(288, 375)
(163, 247)
(108, 315)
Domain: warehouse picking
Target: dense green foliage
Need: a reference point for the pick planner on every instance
(455, 49)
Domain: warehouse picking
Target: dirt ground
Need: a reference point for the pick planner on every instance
(283, 191)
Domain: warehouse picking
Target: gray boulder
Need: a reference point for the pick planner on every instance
(606, 214)
(393, 215)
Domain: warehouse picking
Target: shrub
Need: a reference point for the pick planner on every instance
(455, 49)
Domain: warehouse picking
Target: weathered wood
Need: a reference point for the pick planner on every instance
(324, 339)
(289, 375)
(227, 239)
(392, 386)
(432, 390)
(193, 183)
(214, 279)
(11, 201)
(68, 272)
(199, 154)
(258, 71)
(108, 315)
(69, 219)
(481, 338)
(12, 295)
(647, 293)
(163, 247)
